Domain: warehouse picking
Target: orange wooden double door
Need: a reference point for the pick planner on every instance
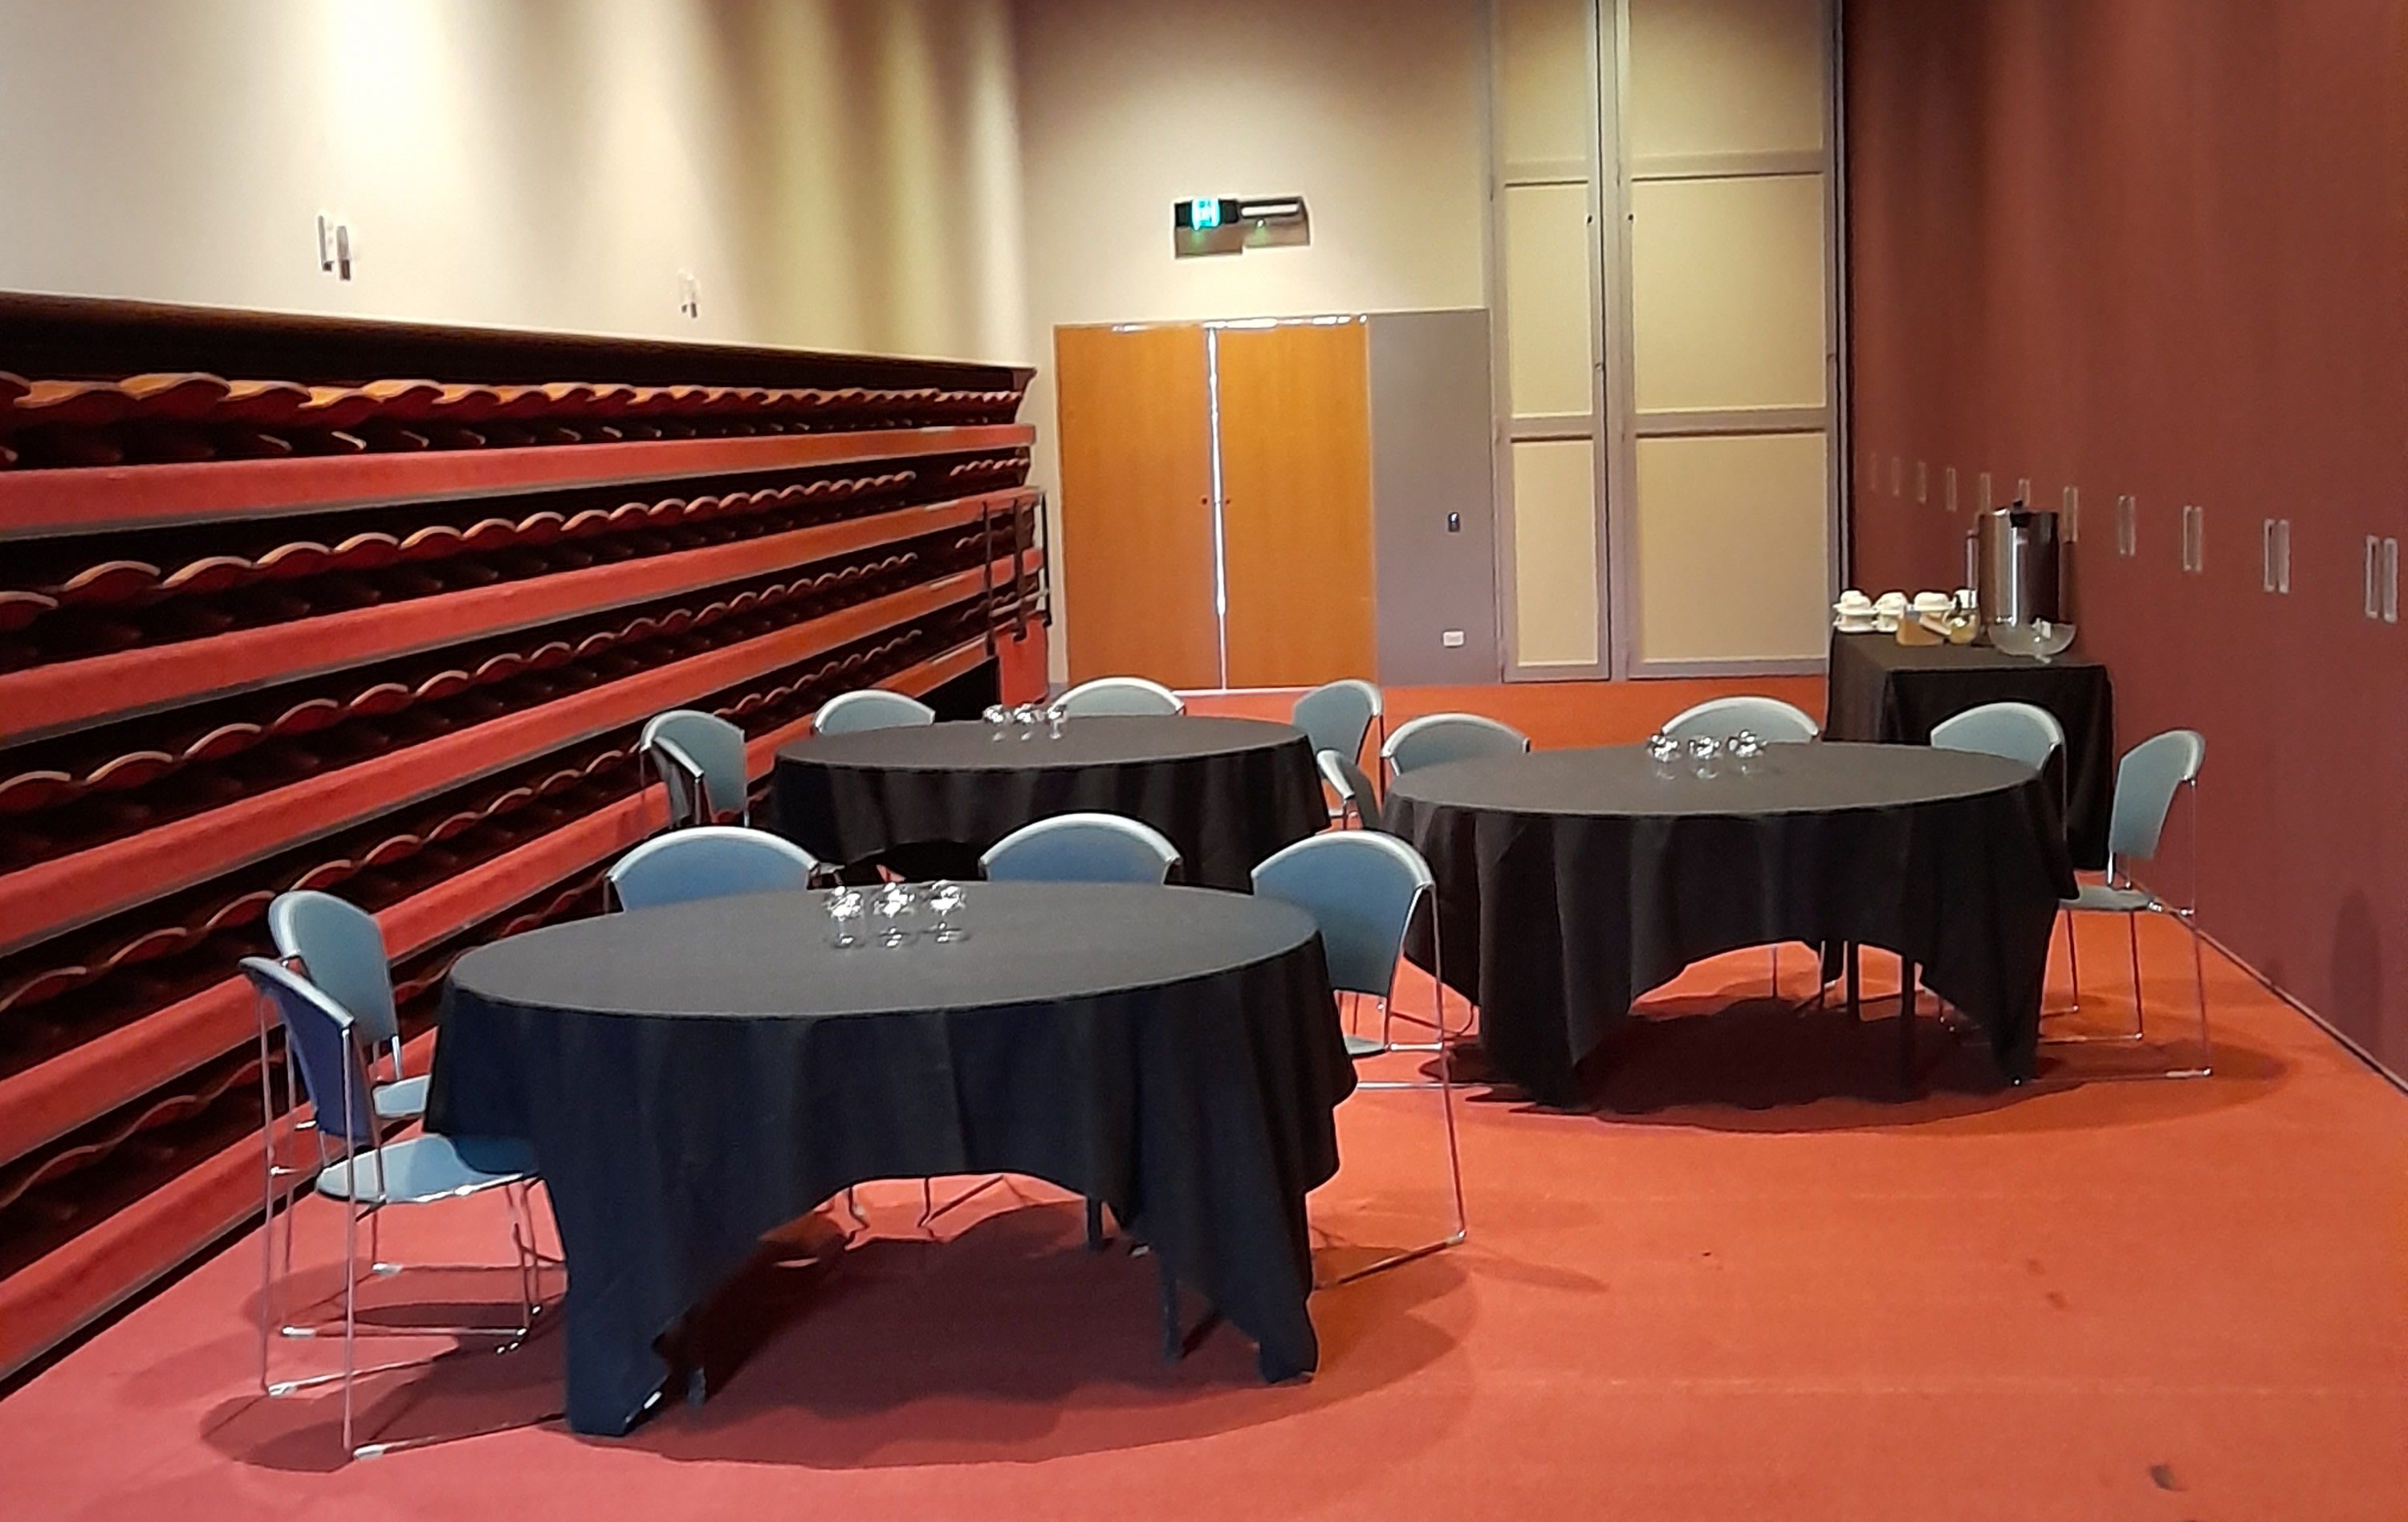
(1216, 502)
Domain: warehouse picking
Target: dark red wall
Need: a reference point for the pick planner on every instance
(2161, 247)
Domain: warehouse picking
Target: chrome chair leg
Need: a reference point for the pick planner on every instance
(1461, 1231)
(2138, 1032)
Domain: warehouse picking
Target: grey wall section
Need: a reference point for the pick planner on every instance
(1430, 433)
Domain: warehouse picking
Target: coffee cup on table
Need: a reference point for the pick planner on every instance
(1889, 610)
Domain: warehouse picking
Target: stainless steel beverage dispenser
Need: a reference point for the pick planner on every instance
(2013, 550)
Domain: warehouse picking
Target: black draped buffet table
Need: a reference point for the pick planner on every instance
(691, 1077)
(1893, 694)
(1226, 792)
(1572, 881)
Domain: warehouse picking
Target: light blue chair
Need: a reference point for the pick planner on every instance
(1337, 715)
(708, 861)
(1081, 848)
(370, 1175)
(341, 949)
(1357, 799)
(1436, 738)
(1366, 890)
(871, 708)
(2024, 732)
(1769, 719)
(2148, 779)
(700, 760)
(1123, 695)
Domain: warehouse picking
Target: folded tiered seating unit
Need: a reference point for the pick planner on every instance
(380, 608)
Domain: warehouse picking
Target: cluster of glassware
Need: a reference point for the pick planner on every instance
(1704, 752)
(1028, 718)
(896, 914)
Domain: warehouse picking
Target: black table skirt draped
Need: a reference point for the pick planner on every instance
(1189, 1087)
(1226, 792)
(1883, 692)
(1571, 882)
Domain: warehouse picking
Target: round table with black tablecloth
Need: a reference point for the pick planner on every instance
(1226, 792)
(1572, 881)
(693, 1076)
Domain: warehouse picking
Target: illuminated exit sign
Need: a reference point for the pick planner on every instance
(1233, 223)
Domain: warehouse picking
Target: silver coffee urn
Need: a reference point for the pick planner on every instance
(2010, 552)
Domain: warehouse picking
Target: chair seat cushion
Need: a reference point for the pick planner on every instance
(2099, 896)
(427, 1168)
(402, 1100)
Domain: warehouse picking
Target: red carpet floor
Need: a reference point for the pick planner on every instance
(1752, 1284)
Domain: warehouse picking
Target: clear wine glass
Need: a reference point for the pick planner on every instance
(845, 908)
(897, 909)
(997, 717)
(946, 900)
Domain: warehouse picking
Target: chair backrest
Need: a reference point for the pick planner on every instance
(1081, 848)
(1769, 719)
(1337, 715)
(322, 1037)
(1363, 888)
(1434, 737)
(684, 742)
(2145, 781)
(708, 861)
(1122, 695)
(341, 950)
(871, 708)
(1353, 789)
(2024, 732)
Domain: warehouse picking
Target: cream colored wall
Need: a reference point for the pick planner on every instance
(1369, 109)
(836, 173)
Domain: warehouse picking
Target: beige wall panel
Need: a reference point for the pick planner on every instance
(1543, 106)
(1734, 547)
(839, 174)
(1728, 294)
(1728, 77)
(1555, 552)
(1550, 332)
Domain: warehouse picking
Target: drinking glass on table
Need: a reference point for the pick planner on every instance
(845, 908)
(946, 900)
(897, 909)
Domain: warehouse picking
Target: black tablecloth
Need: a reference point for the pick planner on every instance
(1572, 881)
(691, 1077)
(1227, 792)
(1883, 691)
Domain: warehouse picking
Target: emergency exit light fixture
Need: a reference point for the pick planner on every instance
(1233, 223)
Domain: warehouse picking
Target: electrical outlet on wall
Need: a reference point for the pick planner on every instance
(336, 248)
(2277, 553)
(1451, 639)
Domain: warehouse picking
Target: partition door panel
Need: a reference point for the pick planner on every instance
(1136, 551)
(1296, 509)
